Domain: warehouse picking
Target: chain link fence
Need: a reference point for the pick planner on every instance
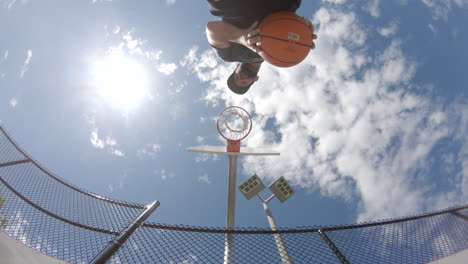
(74, 225)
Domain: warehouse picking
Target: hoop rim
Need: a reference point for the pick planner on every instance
(224, 110)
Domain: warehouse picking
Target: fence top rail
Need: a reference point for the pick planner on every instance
(303, 229)
(65, 183)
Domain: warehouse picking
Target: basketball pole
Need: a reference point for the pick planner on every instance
(231, 201)
(233, 136)
(231, 206)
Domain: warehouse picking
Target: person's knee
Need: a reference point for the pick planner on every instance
(212, 27)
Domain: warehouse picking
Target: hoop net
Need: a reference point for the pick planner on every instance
(234, 124)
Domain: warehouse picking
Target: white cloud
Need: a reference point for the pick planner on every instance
(165, 175)
(433, 29)
(212, 119)
(8, 4)
(117, 153)
(372, 8)
(461, 3)
(339, 2)
(28, 58)
(176, 88)
(116, 29)
(150, 150)
(5, 56)
(346, 121)
(205, 66)
(153, 55)
(134, 45)
(204, 157)
(112, 187)
(116, 259)
(26, 63)
(95, 140)
(167, 68)
(170, 2)
(110, 144)
(459, 110)
(16, 228)
(95, 1)
(200, 139)
(190, 259)
(177, 111)
(13, 102)
(389, 30)
(441, 8)
(204, 179)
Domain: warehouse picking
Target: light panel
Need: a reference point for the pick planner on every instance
(251, 187)
(281, 189)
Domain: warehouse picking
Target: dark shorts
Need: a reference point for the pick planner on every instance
(239, 53)
(243, 13)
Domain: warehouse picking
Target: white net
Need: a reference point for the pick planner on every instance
(234, 123)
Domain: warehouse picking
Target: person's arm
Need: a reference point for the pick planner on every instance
(220, 33)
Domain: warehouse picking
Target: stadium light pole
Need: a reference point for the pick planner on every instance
(281, 190)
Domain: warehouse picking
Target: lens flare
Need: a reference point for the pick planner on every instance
(120, 81)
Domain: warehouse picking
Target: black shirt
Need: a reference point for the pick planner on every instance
(242, 14)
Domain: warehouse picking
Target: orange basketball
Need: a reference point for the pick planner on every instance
(286, 39)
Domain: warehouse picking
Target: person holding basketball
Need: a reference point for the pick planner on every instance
(235, 38)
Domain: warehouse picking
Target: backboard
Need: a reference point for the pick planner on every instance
(244, 151)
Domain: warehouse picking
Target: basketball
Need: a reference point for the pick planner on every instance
(286, 39)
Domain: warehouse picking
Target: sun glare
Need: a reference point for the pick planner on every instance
(120, 81)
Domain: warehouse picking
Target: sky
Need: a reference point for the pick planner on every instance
(373, 124)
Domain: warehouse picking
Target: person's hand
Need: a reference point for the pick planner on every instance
(254, 40)
(251, 38)
(311, 27)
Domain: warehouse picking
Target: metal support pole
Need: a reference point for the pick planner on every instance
(231, 206)
(231, 203)
(455, 213)
(6, 164)
(333, 247)
(283, 252)
(112, 248)
(228, 245)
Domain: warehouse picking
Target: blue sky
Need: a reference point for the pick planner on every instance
(371, 125)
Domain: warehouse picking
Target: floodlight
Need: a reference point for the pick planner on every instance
(281, 189)
(251, 186)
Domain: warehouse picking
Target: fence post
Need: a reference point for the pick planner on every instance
(110, 250)
(462, 216)
(335, 250)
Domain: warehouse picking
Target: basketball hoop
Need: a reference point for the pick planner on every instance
(234, 124)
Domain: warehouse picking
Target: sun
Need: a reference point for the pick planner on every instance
(120, 80)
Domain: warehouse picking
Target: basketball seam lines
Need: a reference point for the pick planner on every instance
(279, 59)
(309, 46)
(297, 20)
